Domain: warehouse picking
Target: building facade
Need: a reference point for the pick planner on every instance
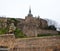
(32, 26)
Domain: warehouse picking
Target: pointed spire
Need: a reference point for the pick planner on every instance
(29, 14)
(30, 10)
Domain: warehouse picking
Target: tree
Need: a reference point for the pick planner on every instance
(52, 27)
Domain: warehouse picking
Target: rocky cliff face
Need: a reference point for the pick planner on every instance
(30, 26)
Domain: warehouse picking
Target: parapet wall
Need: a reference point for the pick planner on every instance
(7, 40)
(48, 43)
(34, 32)
(41, 31)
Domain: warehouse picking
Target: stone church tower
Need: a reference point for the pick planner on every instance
(33, 24)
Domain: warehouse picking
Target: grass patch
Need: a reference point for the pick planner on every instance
(40, 35)
(3, 31)
(19, 34)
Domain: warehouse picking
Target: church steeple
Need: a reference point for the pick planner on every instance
(29, 14)
(30, 10)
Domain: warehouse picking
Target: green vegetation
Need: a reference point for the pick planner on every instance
(14, 20)
(19, 34)
(3, 31)
(51, 27)
(40, 35)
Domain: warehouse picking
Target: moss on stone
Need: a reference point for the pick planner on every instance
(19, 34)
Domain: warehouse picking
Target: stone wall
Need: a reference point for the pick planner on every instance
(42, 31)
(30, 26)
(7, 40)
(30, 32)
(50, 43)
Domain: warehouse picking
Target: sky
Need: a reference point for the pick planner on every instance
(49, 9)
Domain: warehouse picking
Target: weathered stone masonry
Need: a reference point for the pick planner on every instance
(49, 43)
(31, 26)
